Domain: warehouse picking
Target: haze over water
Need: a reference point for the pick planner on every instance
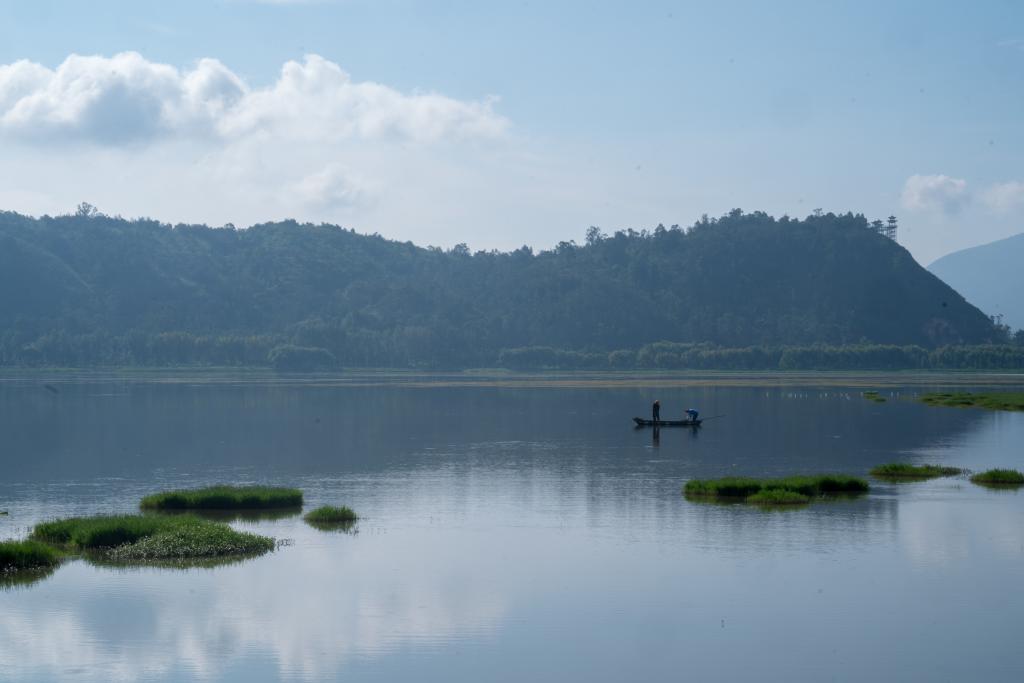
(518, 531)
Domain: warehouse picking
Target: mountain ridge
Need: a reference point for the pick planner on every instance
(991, 276)
(740, 280)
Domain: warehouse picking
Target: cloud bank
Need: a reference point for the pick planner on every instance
(1004, 197)
(935, 193)
(129, 100)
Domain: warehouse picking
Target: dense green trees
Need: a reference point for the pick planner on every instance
(674, 356)
(744, 290)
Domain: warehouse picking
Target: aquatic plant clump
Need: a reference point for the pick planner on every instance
(746, 488)
(778, 497)
(104, 531)
(141, 537)
(27, 555)
(224, 498)
(995, 401)
(205, 539)
(902, 470)
(329, 514)
(727, 487)
(818, 485)
(999, 477)
(873, 396)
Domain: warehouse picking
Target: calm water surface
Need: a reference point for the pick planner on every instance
(515, 533)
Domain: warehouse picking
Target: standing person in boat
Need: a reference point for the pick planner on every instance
(691, 415)
(656, 411)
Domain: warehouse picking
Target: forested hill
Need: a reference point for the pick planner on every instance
(88, 289)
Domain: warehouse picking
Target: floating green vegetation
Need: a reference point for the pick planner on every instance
(16, 556)
(85, 533)
(327, 514)
(150, 537)
(775, 491)
(331, 518)
(771, 497)
(726, 487)
(873, 396)
(999, 478)
(224, 498)
(208, 539)
(996, 401)
(908, 472)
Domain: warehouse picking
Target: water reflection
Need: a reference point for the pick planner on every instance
(100, 559)
(237, 515)
(515, 546)
(305, 615)
(13, 580)
(346, 527)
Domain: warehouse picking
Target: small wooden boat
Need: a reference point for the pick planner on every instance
(640, 422)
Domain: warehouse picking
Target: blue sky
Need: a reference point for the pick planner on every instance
(546, 117)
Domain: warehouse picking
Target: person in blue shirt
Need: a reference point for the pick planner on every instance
(691, 415)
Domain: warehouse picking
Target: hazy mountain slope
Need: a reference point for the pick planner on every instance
(990, 276)
(744, 279)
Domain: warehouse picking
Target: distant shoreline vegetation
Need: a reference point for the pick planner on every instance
(179, 349)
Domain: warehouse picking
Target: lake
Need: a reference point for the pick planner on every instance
(520, 529)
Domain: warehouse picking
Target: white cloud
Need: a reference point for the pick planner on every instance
(1004, 197)
(127, 99)
(317, 99)
(201, 145)
(332, 187)
(935, 193)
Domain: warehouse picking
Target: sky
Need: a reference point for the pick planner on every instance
(503, 124)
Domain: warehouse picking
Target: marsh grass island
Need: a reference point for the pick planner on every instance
(793, 490)
(901, 471)
(999, 478)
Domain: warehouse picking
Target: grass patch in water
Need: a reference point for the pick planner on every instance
(200, 540)
(746, 488)
(999, 477)
(903, 470)
(145, 537)
(329, 514)
(331, 518)
(102, 531)
(16, 556)
(726, 487)
(966, 399)
(778, 497)
(224, 498)
(873, 396)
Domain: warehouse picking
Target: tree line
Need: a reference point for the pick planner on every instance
(296, 353)
(90, 289)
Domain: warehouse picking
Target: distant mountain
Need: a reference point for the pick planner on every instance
(990, 276)
(90, 288)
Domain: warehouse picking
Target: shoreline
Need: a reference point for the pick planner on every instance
(486, 377)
